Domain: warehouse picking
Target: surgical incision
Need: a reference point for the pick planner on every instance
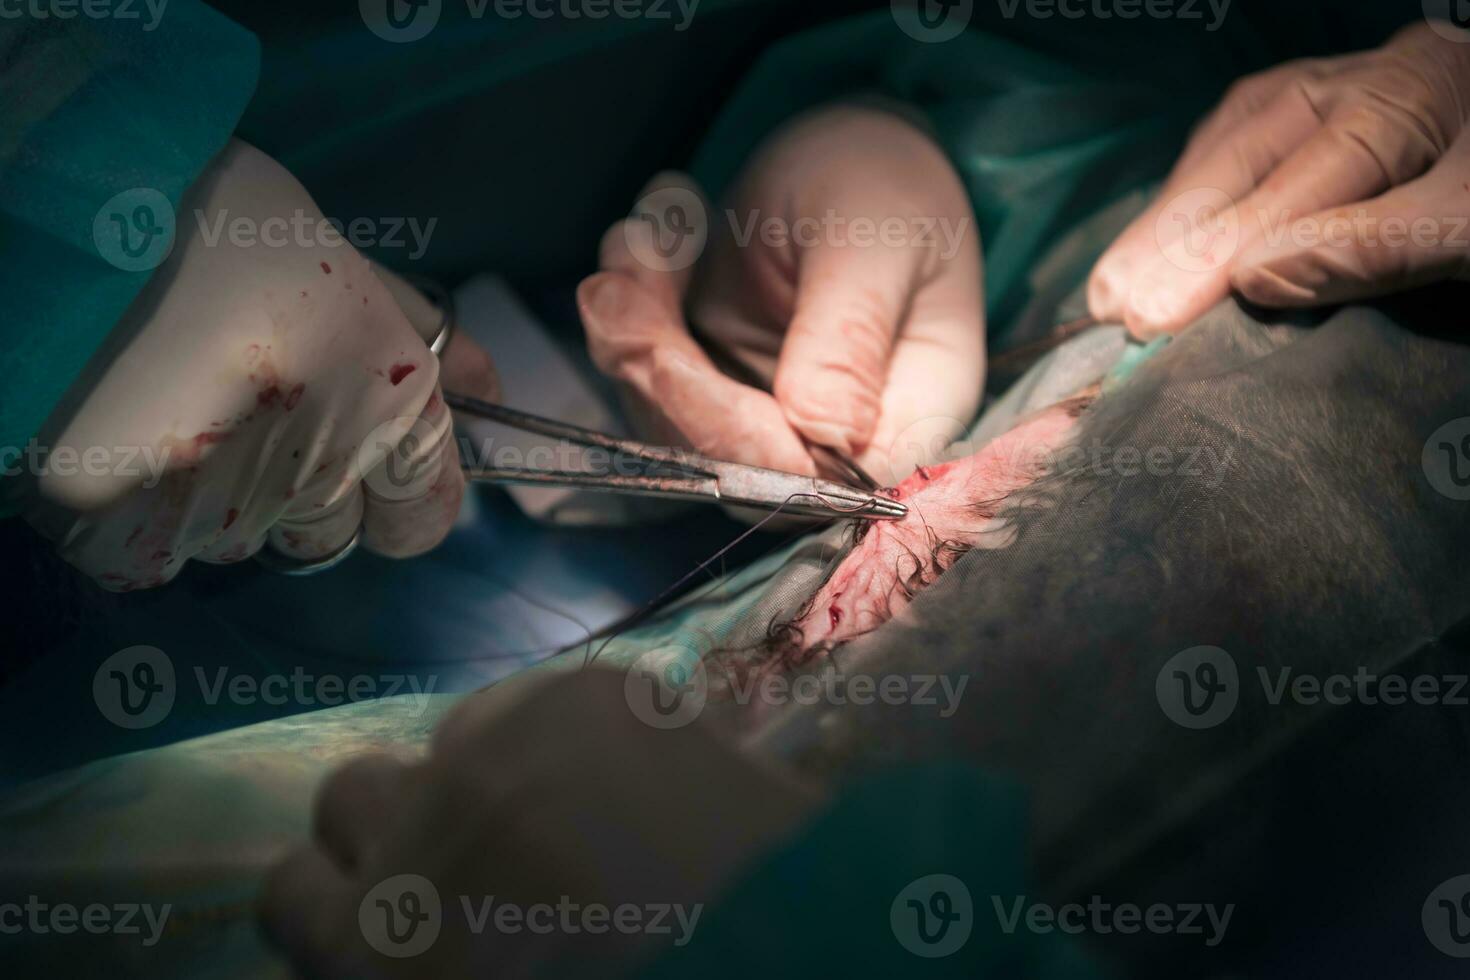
(953, 508)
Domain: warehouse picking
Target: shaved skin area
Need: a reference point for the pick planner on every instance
(952, 509)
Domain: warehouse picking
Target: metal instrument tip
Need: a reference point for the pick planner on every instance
(882, 508)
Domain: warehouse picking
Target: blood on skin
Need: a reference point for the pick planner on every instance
(326, 269)
(400, 371)
(950, 510)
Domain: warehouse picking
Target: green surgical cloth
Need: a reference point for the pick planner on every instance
(835, 902)
(90, 109)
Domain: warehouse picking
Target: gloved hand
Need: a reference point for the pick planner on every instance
(254, 390)
(517, 804)
(1315, 182)
(841, 286)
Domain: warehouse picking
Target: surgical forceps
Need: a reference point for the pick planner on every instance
(627, 466)
(670, 472)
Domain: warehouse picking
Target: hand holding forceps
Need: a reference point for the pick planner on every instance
(664, 472)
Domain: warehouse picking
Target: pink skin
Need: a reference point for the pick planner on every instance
(950, 511)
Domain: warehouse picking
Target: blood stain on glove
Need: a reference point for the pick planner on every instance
(271, 394)
(273, 390)
(186, 453)
(148, 549)
(238, 552)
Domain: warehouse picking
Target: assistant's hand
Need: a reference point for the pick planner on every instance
(266, 386)
(1316, 182)
(535, 794)
(837, 297)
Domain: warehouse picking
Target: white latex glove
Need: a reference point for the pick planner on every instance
(517, 803)
(269, 383)
(851, 335)
(1316, 182)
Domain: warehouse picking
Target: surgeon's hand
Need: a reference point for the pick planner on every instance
(836, 299)
(265, 388)
(535, 793)
(1316, 182)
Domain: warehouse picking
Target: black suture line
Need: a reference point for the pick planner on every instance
(510, 587)
(545, 606)
(637, 616)
(613, 629)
